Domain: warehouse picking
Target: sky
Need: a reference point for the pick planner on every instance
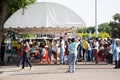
(86, 9)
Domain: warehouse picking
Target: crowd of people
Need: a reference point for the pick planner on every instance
(70, 51)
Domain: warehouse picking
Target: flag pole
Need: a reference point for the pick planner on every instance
(96, 26)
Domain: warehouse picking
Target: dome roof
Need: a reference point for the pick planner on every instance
(44, 14)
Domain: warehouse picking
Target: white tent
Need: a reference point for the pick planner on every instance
(44, 15)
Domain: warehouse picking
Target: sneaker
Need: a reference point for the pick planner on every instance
(22, 69)
(115, 67)
(68, 71)
(61, 63)
(17, 65)
(73, 71)
(30, 68)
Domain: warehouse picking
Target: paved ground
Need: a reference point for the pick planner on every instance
(88, 71)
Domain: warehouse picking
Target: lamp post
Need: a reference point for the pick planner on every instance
(96, 26)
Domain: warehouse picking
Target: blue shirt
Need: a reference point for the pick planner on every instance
(73, 48)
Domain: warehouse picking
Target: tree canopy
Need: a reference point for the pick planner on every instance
(116, 25)
(105, 27)
(116, 17)
(14, 5)
(8, 7)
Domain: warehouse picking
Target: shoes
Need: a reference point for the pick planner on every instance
(22, 69)
(50, 62)
(73, 71)
(17, 65)
(55, 63)
(30, 68)
(115, 67)
(61, 63)
(69, 71)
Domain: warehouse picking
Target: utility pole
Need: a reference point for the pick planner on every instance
(96, 26)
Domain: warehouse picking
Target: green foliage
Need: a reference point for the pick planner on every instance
(85, 34)
(81, 30)
(14, 5)
(86, 30)
(79, 34)
(90, 29)
(27, 36)
(30, 36)
(116, 17)
(116, 25)
(100, 35)
(105, 27)
(103, 35)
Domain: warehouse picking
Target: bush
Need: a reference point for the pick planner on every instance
(103, 35)
(100, 35)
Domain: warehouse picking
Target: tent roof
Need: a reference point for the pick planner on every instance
(40, 30)
(44, 14)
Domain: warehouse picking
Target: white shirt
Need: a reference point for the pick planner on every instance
(110, 51)
(96, 45)
(89, 47)
(62, 44)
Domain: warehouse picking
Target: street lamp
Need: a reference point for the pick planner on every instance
(96, 26)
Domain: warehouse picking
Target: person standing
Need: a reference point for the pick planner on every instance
(96, 49)
(44, 54)
(72, 48)
(110, 54)
(25, 53)
(2, 50)
(55, 50)
(116, 51)
(84, 47)
(89, 57)
(119, 53)
(50, 51)
(62, 50)
(80, 50)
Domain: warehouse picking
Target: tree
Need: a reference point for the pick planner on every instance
(116, 17)
(3, 17)
(105, 27)
(86, 30)
(81, 30)
(8, 7)
(90, 29)
(115, 25)
(14, 5)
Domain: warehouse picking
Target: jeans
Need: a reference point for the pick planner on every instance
(61, 55)
(25, 59)
(89, 55)
(50, 54)
(80, 53)
(20, 61)
(71, 62)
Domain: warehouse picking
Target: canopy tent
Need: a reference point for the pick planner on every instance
(44, 17)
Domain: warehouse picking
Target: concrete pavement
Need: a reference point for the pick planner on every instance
(58, 72)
